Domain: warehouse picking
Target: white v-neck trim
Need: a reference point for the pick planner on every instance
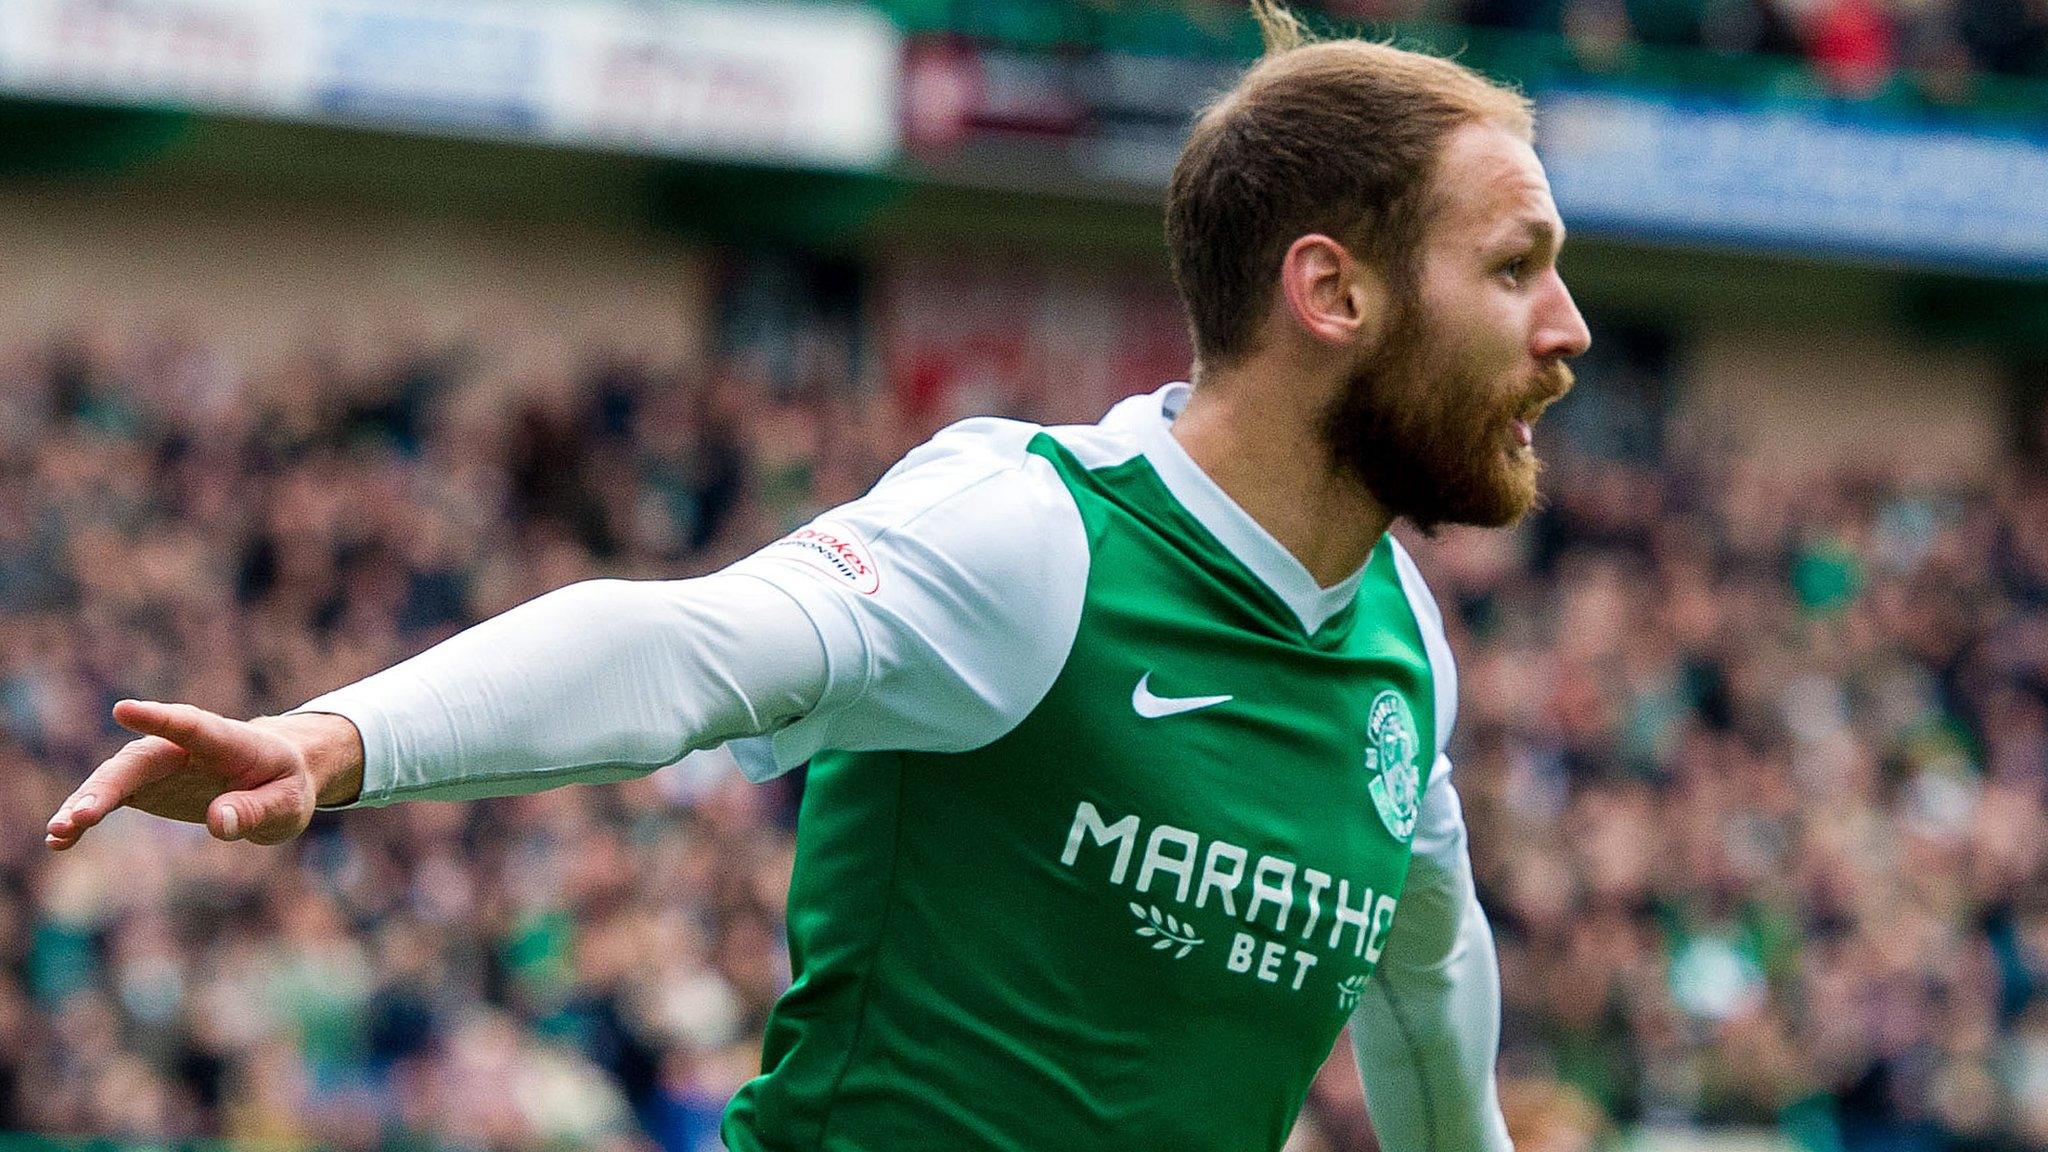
(1253, 546)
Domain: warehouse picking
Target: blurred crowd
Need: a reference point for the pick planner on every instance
(1755, 765)
(1859, 46)
(1938, 49)
(1753, 761)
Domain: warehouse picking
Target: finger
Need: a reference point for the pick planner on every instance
(186, 725)
(111, 784)
(271, 814)
(139, 762)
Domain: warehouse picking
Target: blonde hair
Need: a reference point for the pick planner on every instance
(1333, 136)
(1278, 27)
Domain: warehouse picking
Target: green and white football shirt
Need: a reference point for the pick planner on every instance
(1112, 812)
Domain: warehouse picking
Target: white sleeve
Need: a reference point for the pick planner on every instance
(932, 614)
(1427, 1031)
(948, 599)
(598, 681)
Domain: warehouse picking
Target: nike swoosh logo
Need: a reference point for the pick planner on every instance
(1153, 707)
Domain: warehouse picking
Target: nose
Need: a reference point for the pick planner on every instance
(1561, 333)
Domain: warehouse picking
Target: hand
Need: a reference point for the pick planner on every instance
(245, 780)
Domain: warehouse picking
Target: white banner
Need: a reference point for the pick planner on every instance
(771, 82)
(747, 81)
(1798, 179)
(457, 64)
(225, 54)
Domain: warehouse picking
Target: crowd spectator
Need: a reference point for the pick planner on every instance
(1933, 50)
(1753, 760)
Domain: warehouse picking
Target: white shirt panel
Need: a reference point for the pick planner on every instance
(948, 599)
(1427, 1031)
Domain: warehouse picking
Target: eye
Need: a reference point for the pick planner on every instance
(1514, 270)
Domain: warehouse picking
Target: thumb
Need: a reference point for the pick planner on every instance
(269, 814)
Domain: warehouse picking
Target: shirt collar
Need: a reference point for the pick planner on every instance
(1152, 417)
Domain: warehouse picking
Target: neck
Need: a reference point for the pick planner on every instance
(1261, 441)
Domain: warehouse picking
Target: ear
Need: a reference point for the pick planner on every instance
(1331, 295)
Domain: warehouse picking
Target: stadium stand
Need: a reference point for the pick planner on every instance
(1754, 764)
(1754, 740)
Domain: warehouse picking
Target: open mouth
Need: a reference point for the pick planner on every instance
(1523, 426)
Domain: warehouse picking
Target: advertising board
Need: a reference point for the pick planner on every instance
(1816, 177)
(777, 83)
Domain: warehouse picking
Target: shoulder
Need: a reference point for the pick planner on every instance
(978, 445)
(947, 597)
(1104, 445)
(970, 515)
(1429, 620)
(976, 495)
(1427, 613)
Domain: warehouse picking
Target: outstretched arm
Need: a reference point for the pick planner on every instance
(1427, 1031)
(598, 681)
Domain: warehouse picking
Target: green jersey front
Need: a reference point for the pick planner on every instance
(1109, 814)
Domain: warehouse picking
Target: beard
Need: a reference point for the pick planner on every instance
(1432, 440)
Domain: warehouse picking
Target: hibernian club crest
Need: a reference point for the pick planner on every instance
(1392, 754)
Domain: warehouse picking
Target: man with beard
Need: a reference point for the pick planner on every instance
(1127, 782)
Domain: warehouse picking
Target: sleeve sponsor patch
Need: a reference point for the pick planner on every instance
(833, 550)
